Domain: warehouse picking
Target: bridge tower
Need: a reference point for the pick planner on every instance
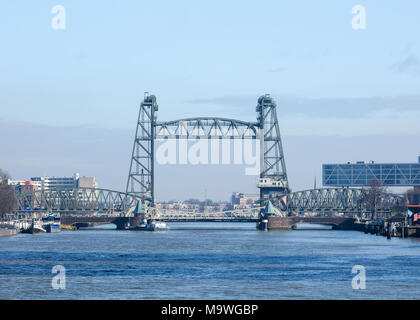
(140, 180)
(273, 183)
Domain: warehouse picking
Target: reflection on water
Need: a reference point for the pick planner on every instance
(209, 261)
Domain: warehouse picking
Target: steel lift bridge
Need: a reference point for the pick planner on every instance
(273, 181)
(273, 177)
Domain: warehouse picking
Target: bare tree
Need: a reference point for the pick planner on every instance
(413, 195)
(7, 197)
(400, 205)
(4, 176)
(374, 195)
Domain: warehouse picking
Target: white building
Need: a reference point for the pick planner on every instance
(47, 183)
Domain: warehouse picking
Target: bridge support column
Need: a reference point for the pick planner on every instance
(262, 224)
(273, 176)
(347, 224)
(135, 221)
(276, 223)
(122, 223)
(141, 174)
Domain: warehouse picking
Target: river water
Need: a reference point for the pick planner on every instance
(209, 261)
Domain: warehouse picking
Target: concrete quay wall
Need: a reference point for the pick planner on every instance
(289, 223)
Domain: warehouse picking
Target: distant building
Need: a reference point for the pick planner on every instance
(362, 173)
(47, 183)
(87, 182)
(244, 199)
(25, 186)
(57, 182)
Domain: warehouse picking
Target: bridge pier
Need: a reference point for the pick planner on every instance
(276, 223)
(79, 225)
(135, 221)
(289, 223)
(122, 223)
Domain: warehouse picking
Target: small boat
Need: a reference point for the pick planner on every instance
(151, 225)
(36, 227)
(67, 227)
(158, 226)
(51, 223)
(52, 227)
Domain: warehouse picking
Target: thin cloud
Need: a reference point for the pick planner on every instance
(409, 65)
(277, 70)
(354, 108)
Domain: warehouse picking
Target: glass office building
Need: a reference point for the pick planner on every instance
(362, 173)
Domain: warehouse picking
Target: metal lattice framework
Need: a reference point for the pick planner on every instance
(333, 200)
(361, 174)
(266, 130)
(140, 180)
(80, 200)
(328, 199)
(272, 156)
(88, 200)
(206, 128)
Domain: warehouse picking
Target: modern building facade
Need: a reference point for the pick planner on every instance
(47, 183)
(361, 173)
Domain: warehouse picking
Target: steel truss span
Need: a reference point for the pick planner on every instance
(87, 200)
(265, 131)
(76, 200)
(206, 128)
(333, 200)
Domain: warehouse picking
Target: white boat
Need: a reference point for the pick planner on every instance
(36, 227)
(158, 226)
(52, 223)
(151, 225)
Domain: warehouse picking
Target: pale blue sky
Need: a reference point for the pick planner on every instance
(209, 58)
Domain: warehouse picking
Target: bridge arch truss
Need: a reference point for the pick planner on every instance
(79, 200)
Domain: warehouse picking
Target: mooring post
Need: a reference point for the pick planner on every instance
(264, 224)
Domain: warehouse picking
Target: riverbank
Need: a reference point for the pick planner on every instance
(389, 229)
(4, 232)
(395, 226)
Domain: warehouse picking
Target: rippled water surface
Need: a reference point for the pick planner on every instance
(209, 261)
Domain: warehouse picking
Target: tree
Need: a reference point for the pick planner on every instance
(7, 197)
(374, 194)
(4, 176)
(413, 195)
